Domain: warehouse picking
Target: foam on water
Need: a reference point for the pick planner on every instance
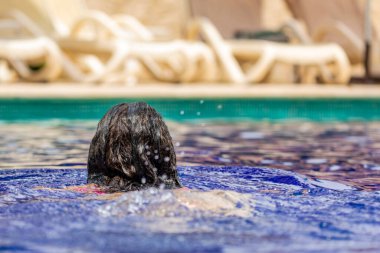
(229, 209)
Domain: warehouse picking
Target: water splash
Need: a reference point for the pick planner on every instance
(314, 204)
(280, 211)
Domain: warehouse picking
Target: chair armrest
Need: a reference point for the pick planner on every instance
(98, 20)
(354, 47)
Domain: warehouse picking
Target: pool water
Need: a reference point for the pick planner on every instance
(344, 152)
(290, 213)
(308, 187)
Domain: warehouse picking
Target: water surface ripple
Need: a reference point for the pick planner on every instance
(347, 153)
(255, 187)
(288, 213)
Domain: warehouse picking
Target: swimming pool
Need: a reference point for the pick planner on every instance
(306, 173)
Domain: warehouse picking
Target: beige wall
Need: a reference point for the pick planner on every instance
(166, 17)
(274, 13)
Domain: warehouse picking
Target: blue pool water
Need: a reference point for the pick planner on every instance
(294, 176)
(190, 109)
(289, 213)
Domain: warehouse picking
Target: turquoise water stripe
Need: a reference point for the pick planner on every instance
(197, 109)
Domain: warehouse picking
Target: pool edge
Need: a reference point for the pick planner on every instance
(77, 90)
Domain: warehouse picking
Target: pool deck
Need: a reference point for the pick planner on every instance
(75, 90)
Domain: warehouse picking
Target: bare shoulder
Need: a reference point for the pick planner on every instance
(218, 201)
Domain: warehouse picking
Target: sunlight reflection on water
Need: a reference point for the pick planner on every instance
(311, 199)
(348, 153)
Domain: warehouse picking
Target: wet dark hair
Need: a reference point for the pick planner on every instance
(132, 150)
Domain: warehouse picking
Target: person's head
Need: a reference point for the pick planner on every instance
(132, 149)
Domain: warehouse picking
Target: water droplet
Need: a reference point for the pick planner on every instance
(148, 153)
(182, 112)
(155, 151)
(146, 163)
(167, 148)
(267, 161)
(198, 113)
(220, 107)
(334, 168)
(251, 135)
(143, 180)
(146, 147)
(201, 102)
(177, 144)
(316, 161)
(225, 160)
(156, 157)
(166, 159)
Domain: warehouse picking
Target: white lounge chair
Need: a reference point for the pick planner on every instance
(114, 44)
(252, 60)
(39, 52)
(261, 55)
(338, 21)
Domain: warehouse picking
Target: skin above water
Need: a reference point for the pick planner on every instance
(215, 201)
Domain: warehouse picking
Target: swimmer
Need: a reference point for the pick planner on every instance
(132, 150)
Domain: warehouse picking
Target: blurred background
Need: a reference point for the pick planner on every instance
(190, 41)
